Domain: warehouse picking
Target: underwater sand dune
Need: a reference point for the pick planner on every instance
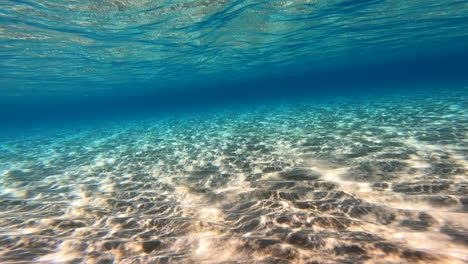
(376, 180)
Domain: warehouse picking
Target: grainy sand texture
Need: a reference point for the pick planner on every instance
(339, 180)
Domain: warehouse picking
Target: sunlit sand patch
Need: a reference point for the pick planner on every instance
(334, 175)
(409, 202)
(433, 242)
(459, 159)
(417, 162)
(64, 255)
(273, 185)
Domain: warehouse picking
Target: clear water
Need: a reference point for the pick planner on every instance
(233, 131)
(89, 47)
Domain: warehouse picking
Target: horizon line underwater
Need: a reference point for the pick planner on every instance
(233, 132)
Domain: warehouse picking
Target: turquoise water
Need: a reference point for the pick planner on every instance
(233, 132)
(115, 46)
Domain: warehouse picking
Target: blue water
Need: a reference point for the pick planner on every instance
(233, 131)
(103, 52)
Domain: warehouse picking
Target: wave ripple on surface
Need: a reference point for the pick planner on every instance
(119, 44)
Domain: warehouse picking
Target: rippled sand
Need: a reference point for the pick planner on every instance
(376, 180)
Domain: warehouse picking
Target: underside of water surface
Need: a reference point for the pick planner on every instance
(110, 47)
(233, 132)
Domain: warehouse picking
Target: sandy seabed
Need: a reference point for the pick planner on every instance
(341, 180)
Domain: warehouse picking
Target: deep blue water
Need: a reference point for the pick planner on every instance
(92, 57)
